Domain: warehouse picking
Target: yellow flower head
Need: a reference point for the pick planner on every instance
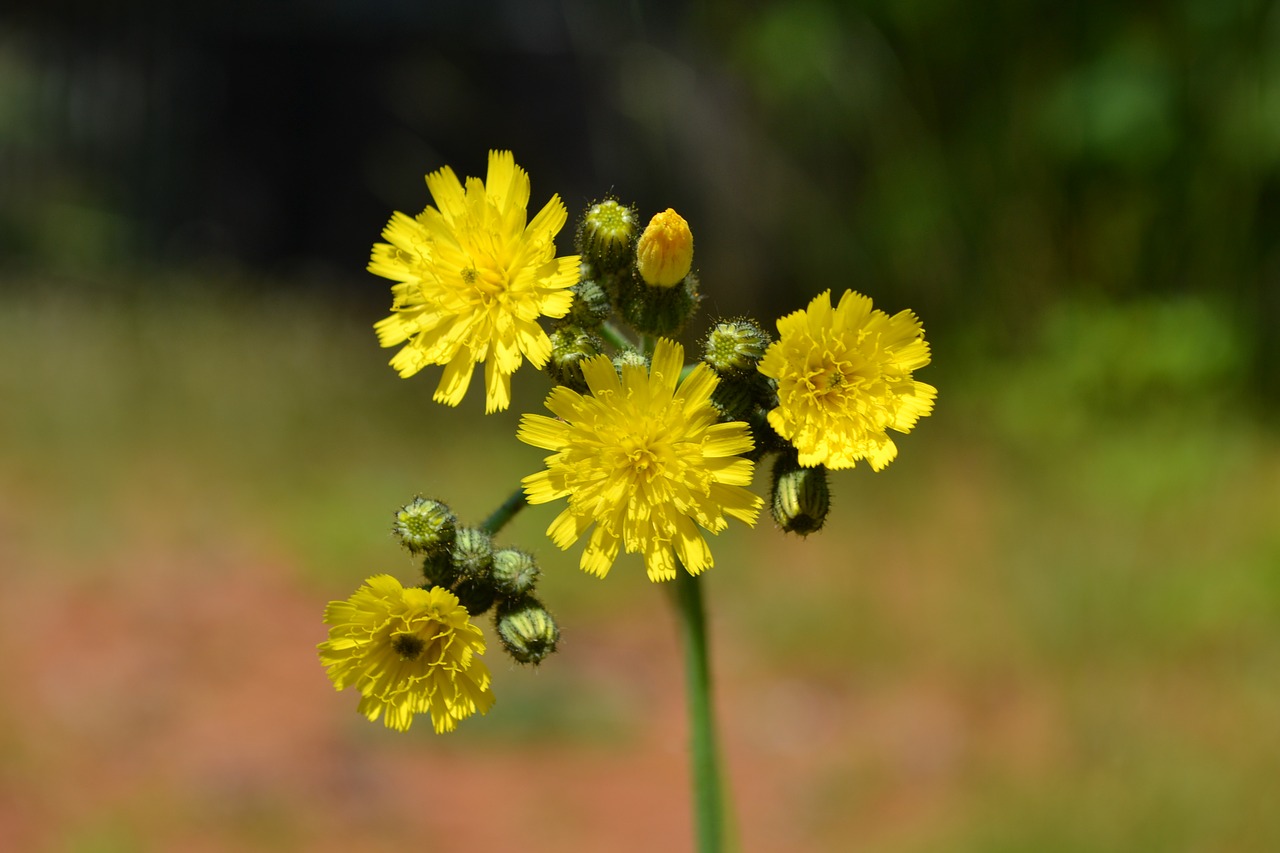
(844, 377)
(473, 279)
(643, 460)
(664, 253)
(408, 651)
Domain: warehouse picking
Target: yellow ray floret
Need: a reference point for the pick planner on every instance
(408, 651)
(643, 459)
(472, 278)
(845, 377)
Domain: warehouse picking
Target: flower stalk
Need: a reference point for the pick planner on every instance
(501, 516)
(704, 754)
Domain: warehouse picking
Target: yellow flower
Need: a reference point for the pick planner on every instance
(664, 253)
(473, 279)
(643, 460)
(408, 651)
(844, 377)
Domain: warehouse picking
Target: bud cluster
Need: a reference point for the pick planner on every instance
(465, 561)
(644, 276)
(799, 496)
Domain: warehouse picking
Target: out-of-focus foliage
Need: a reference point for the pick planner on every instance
(977, 163)
(993, 158)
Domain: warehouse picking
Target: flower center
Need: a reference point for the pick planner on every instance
(408, 646)
(642, 458)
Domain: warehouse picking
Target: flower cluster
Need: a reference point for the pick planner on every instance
(649, 453)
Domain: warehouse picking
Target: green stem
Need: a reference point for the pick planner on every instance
(707, 798)
(505, 513)
(615, 336)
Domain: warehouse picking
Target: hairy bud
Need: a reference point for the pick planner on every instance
(514, 572)
(425, 526)
(526, 629)
(801, 496)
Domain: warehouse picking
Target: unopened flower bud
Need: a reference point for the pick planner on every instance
(591, 304)
(425, 526)
(438, 569)
(526, 629)
(656, 310)
(801, 496)
(735, 346)
(734, 398)
(475, 594)
(514, 572)
(569, 346)
(629, 356)
(664, 253)
(472, 553)
(607, 234)
(764, 436)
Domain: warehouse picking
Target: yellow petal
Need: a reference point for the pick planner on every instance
(601, 551)
(447, 193)
(696, 388)
(497, 387)
(731, 439)
(668, 361)
(456, 378)
(567, 527)
(601, 376)
(542, 431)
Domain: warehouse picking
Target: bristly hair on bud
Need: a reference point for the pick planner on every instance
(801, 497)
(607, 235)
(472, 554)
(425, 526)
(526, 629)
(515, 572)
(735, 346)
(631, 357)
(569, 346)
(438, 570)
(476, 594)
(657, 310)
(591, 303)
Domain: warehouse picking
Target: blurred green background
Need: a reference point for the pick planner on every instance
(1052, 624)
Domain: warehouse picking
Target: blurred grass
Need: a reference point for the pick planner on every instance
(1078, 554)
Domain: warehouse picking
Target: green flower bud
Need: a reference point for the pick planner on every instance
(425, 526)
(569, 346)
(472, 553)
(735, 346)
(514, 572)
(438, 569)
(607, 235)
(526, 629)
(765, 437)
(655, 310)
(591, 304)
(734, 399)
(475, 594)
(630, 356)
(801, 497)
